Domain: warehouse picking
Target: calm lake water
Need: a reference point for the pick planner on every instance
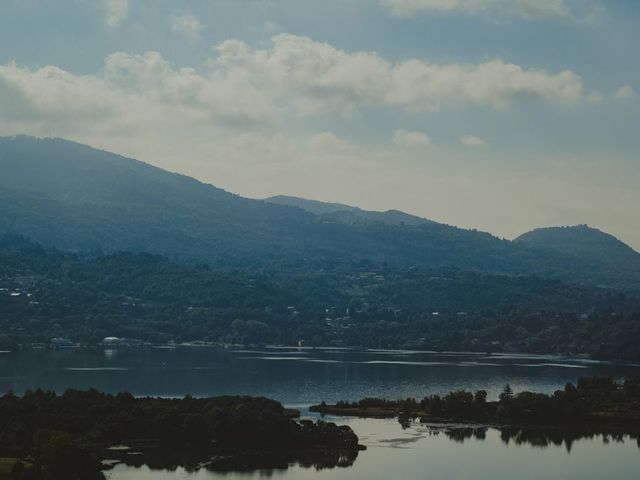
(300, 377)
(417, 453)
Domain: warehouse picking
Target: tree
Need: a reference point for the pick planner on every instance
(480, 397)
(507, 393)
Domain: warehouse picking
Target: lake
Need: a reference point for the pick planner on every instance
(418, 453)
(300, 377)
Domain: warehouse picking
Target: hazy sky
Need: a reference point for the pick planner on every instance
(500, 115)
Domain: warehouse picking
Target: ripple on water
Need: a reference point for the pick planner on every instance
(320, 360)
(263, 352)
(479, 364)
(557, 365)
(97, 369)
(401, 362)
(274, 358)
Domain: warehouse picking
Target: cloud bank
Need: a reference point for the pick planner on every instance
(294, 77)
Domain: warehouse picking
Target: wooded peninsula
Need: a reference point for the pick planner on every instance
(48, 436)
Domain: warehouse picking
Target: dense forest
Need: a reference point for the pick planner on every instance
(65, 437)
(47, 293)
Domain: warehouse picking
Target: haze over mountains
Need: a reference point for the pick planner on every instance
(347, 214)
(71, 196)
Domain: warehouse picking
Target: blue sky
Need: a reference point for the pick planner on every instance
(501, 115)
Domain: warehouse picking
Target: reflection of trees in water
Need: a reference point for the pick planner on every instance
(543, 438)
(540, 437)
(461, 434)
(193, 460)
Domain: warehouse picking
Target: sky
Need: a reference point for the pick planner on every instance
(500, 115)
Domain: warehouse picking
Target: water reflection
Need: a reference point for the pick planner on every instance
(537, 437)
(437, 452)
(413, 435)
(558, 438)
(191, 461)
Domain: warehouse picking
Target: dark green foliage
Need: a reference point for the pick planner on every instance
(507, 394)
(60, 456)
(593, 401)
(87, 297)
(65, 434)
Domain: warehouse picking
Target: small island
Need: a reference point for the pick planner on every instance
(593, 402)
(77, 435)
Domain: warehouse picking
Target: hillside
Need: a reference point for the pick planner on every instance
(347, 214)
(582, 241)
(587, 245)
(47, 293)
(71, 196)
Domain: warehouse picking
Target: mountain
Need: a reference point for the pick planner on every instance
(340, 212)
(74, 197)
(587, 245)
(70, 195)
(582, 241)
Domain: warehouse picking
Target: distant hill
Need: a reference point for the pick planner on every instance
(340, 212)
(588, 245)
(74, 197)
(581, 240)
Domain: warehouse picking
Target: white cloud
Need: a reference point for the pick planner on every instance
(527, 9)
(472, 141)
(305, 76)
(312, 77)
(116, 11)
(295, 77)
(403, 138)
(625, 93)
(419, 85)
(187, 25)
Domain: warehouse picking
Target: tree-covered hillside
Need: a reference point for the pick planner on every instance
(71, 196)
(587, 245)
(47, 293)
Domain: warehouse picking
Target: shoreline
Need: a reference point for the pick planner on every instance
(619, 425)
(594, 403)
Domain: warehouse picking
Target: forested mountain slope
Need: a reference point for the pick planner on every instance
(74, 197)
(47, 293)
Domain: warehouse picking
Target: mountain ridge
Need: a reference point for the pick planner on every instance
(72, 196)
(347, 213)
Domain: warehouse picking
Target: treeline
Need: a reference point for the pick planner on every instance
(64, 436)
(47, 293)
(593, 401)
